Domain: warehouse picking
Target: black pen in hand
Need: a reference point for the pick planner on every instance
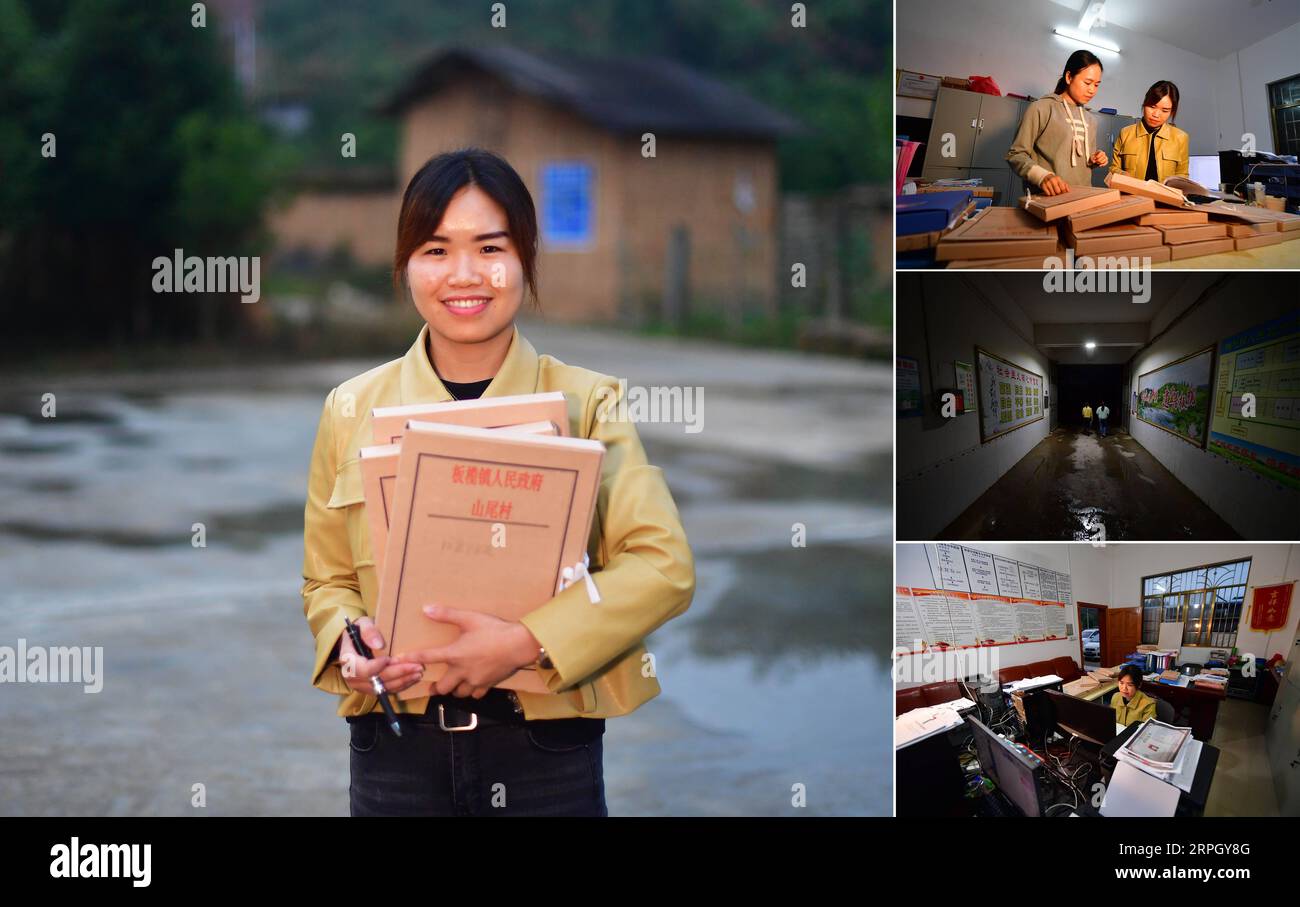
(354, 634)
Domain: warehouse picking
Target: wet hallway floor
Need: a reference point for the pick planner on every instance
(1076, 485)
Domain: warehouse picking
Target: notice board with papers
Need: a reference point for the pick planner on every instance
(1010, 396)
(977, 598)
(1265, 362)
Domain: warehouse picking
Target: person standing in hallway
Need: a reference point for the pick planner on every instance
(1087, 416)
(1103, 413)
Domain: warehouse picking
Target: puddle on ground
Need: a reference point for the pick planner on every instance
(826, 600)
(734, 478)
(252, 530)
(37, 448)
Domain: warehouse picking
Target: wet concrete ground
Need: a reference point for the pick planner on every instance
(777, 675)
(1076, 485)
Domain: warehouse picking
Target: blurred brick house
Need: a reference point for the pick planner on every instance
(613, 222)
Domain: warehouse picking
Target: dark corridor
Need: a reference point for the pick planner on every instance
(1091, 384)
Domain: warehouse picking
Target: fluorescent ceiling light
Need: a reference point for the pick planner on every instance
(1072, 35)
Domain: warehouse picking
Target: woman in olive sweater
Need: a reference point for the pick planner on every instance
(1129, 702)
(1052, 148)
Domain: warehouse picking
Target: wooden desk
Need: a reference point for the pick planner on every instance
(1098, 692)
(1202, 705)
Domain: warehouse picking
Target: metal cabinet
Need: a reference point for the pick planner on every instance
(982, 127)
(1282, 738)
(956, 113)
(999, 119)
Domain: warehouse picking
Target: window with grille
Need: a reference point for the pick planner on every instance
(1208, 600)
(1284, 110)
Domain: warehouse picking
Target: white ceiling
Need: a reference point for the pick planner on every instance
(1211, 28)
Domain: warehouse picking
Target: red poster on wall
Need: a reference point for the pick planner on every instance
(1270, 606)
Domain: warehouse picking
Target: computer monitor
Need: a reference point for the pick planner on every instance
(1090, 720)
(928, 779)
(1014, 773)
(1204, 169)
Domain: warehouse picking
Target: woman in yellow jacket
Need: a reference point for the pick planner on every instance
(1153, 148)
(1129, 702)
(466, 251)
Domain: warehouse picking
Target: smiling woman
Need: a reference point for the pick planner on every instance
(466, 252)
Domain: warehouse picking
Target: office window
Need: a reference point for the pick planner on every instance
(1284, 111)
(1208, 600)
(567, 204)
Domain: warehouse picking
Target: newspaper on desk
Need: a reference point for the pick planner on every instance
(928, 720)
(1163, 751)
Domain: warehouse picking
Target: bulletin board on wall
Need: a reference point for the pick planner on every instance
(1176, 397)
(1009, 396)
(1263, 361)
(977, 599)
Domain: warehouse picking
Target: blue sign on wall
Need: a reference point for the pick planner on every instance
(567, 214)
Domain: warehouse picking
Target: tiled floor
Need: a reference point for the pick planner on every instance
(1242, 784)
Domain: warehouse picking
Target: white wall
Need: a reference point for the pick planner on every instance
(913, 570)
(942, 466)
(1109, 575)
(1012, 41)
(1241, 87)
(1253, 505)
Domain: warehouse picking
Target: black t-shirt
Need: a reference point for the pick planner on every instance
(470, 390)
(1152, 172)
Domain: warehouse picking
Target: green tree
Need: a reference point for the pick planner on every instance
(154, 151)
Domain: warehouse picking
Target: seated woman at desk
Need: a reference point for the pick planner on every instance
(1153, 148)
(1130, 703)
(1052, 148)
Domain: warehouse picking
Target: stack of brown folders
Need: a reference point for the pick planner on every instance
(484, 505)
(1131, 221)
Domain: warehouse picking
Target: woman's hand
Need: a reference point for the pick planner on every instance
(1054, 185)
(487, 651)
(395, 674)
(1098, 159)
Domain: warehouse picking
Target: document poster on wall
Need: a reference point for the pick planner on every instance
(908, 381)
(965, 376)
(1010, 397)
(980, 599)
(1265, 362)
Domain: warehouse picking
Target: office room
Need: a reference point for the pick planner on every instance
(1205, 91)
(1112, 681)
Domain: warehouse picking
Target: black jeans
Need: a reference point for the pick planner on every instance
(513, 768)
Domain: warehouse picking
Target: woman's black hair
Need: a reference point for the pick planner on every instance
(1132, 673)
(1079, 60)
(1163, 89)
(431, 189)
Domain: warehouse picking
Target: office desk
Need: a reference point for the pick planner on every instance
(1189, 803)
(1202, 705)
(1104, 690)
